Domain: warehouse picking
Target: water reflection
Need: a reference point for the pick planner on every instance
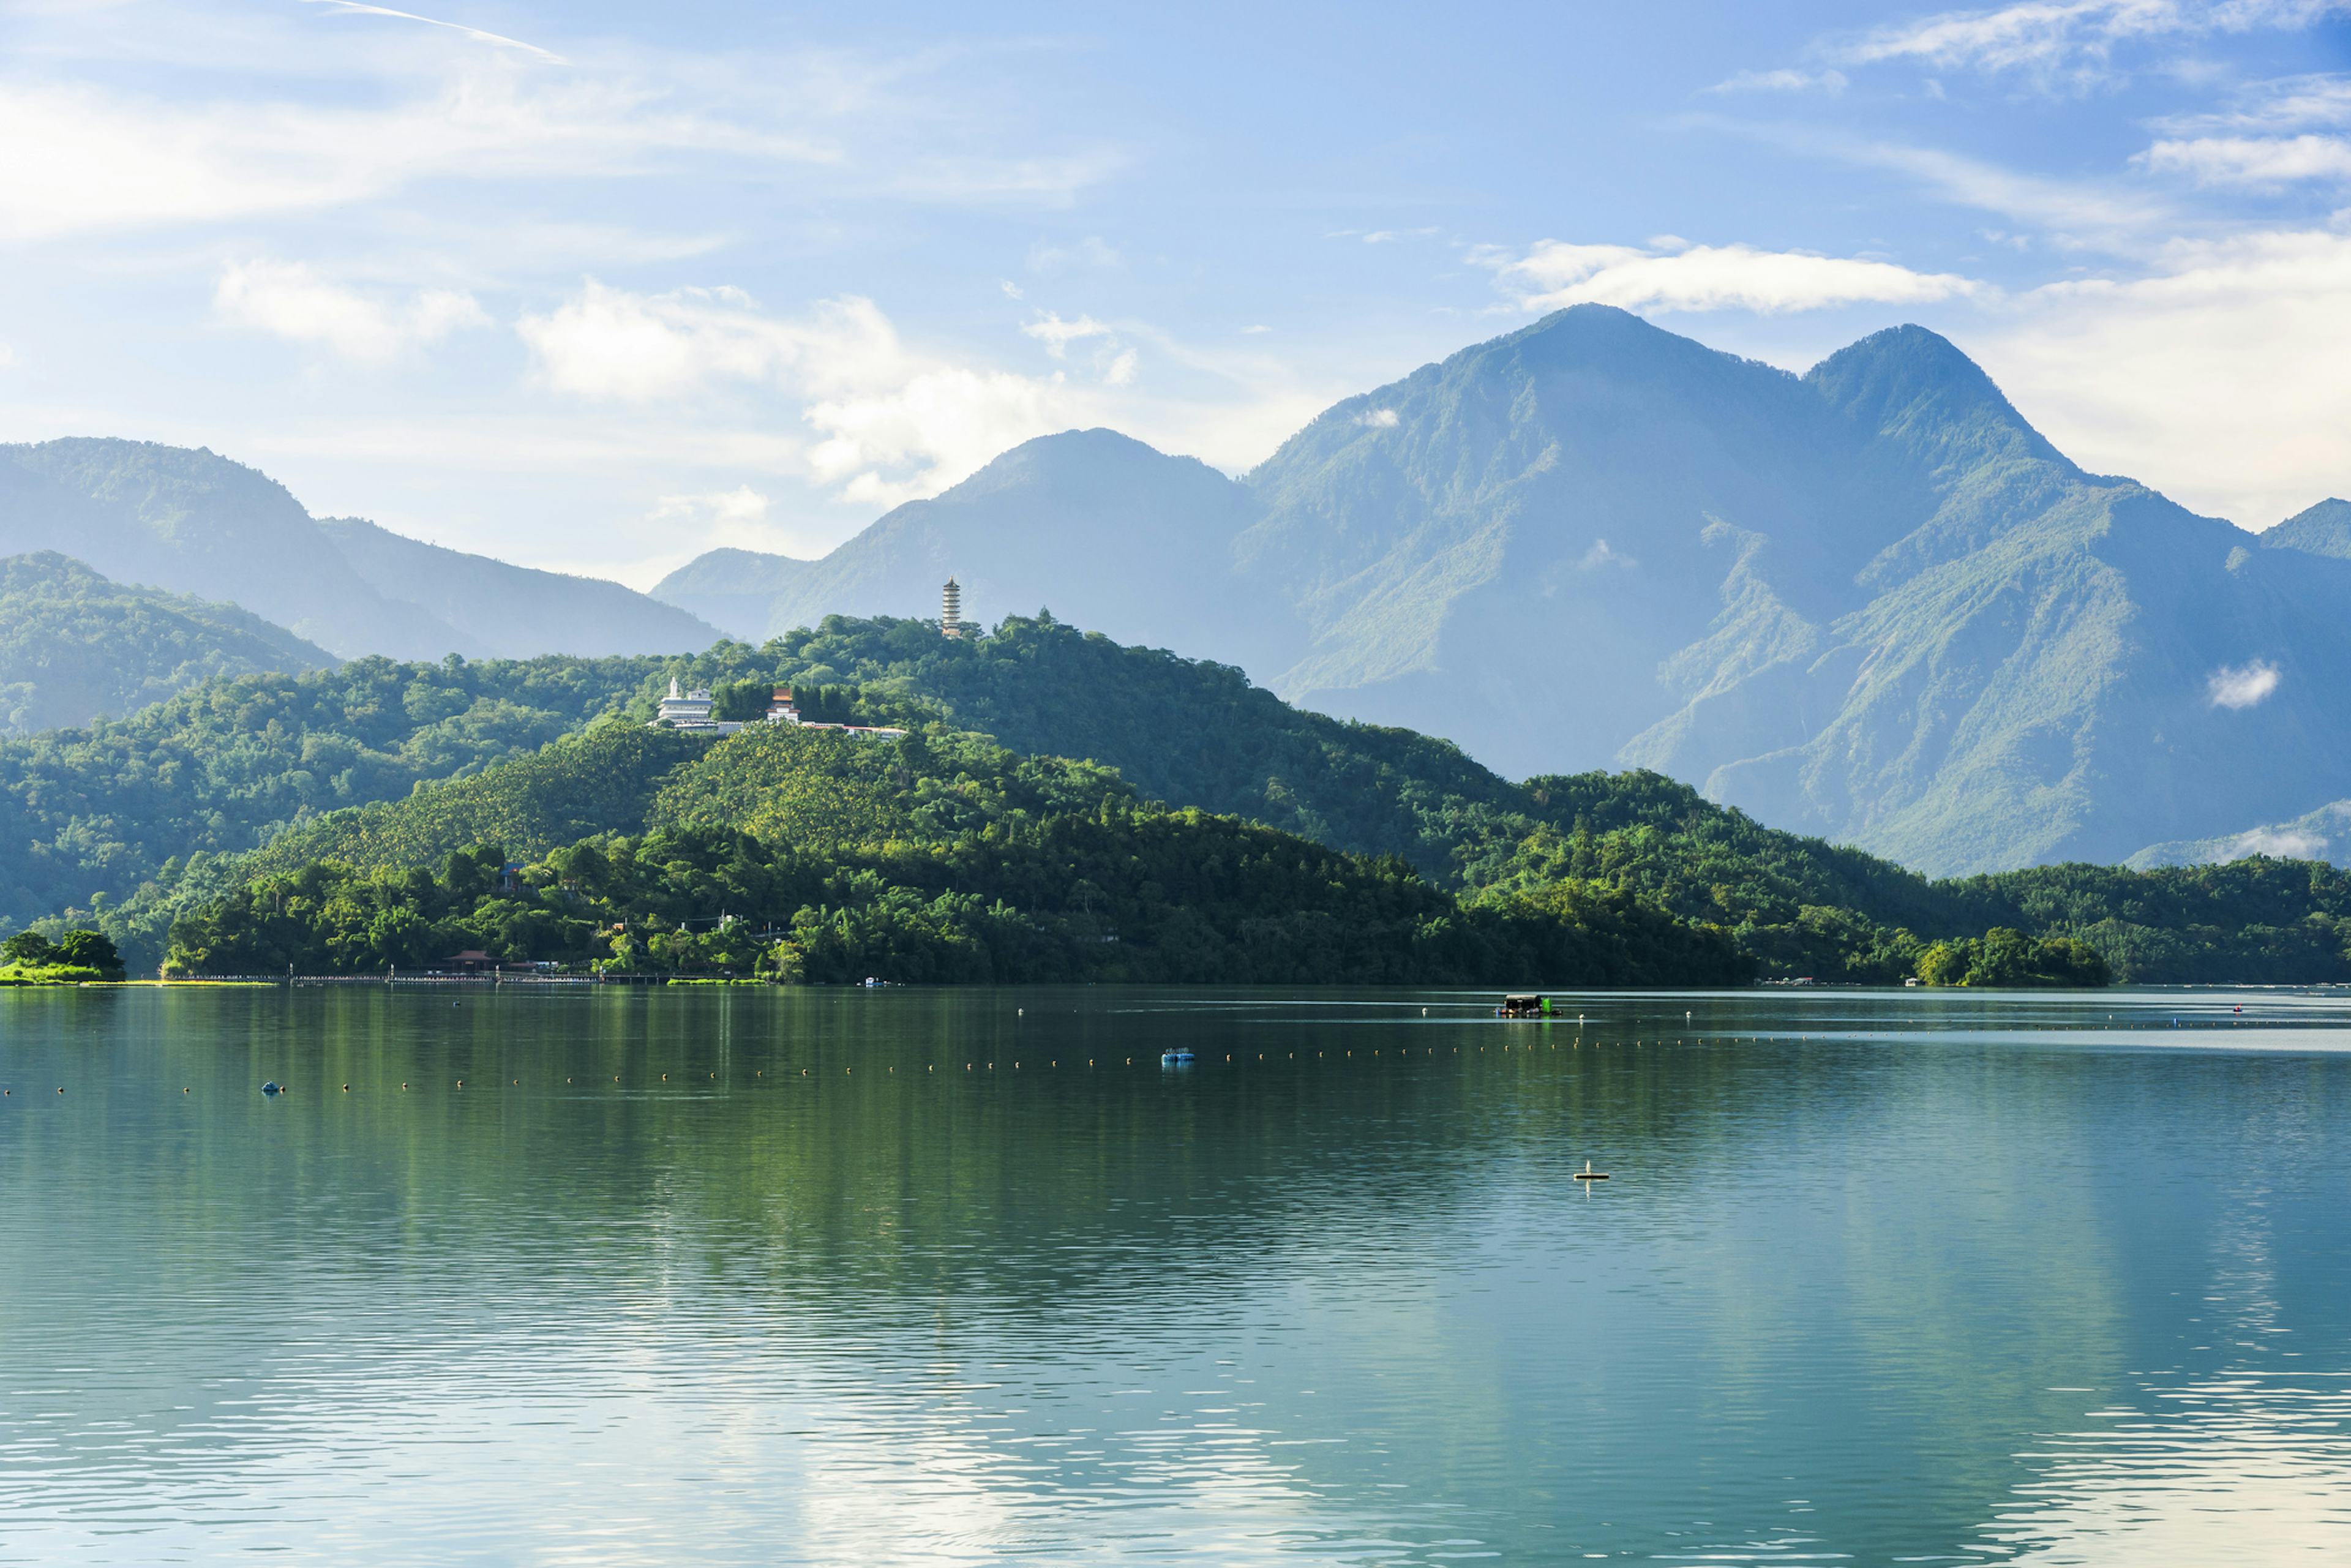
(907, 1278)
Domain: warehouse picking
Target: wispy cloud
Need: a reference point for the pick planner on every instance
(737, 518)
(1377, 419)
(81, 158)
(2280, 104)
(499, 40)
(1050, 260)
(1551, 274)
(287, 299)
(2258, 162)
(2242, 685)
(892, 421)
(2073, 211)
(1116, 363)
(2065, 44)
(1786, 79)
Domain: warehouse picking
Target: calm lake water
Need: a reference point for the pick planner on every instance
(911, 1277)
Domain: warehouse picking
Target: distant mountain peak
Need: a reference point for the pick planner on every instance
(2322, 530)
(1919, 390)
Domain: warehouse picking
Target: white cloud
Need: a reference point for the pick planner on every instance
(1395, 236)
(2218, 377)
(82, 160)
(2283, 103)
(1011, 289)
(2260, 162)
(1602, 553)
(737, 518)
(1057, 335)
(1786, 80)
(289, 300)
(1377, 419)
(2067, 43)
(2242, 685)
(892, 423)
(1046, 260)
(2282, 844)
(1553, 274)
(1114, 361)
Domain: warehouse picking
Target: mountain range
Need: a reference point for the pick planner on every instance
(1870, 601)
(194, 523)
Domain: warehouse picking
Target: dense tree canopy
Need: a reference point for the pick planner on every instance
(384, 768)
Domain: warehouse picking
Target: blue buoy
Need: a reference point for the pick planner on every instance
(1175, 1058)
(272, 1087)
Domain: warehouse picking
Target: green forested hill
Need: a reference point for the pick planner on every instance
(1186, 731)
(943, 857)
(218, 769)
(1085, 721)
(75, 647)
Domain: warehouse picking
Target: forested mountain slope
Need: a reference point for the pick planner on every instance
(809, 854)
(220, 768)
(75, 647)
(1870, 601)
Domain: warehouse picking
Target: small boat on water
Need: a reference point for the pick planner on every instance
(1179, 1057)
(272, 1087)
(1529, 1005)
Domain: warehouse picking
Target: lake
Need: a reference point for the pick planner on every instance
(740, 1276)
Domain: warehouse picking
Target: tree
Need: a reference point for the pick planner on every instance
(89, 950)
(29, 948)
(741, 702)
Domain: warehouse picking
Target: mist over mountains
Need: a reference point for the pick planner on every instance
(1869, 602)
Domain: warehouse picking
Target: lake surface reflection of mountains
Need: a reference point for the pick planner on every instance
(824, 1277)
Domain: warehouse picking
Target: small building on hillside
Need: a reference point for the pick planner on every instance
(782, 708)
(683, 708)
(691, 711)
(951, 610)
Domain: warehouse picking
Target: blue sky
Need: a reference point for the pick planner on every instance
(599, 287)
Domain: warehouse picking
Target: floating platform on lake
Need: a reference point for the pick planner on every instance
(1175, 1058)
(1524, 1006)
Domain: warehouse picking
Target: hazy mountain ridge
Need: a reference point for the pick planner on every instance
(515, 611)
(194, 522)
(2323, 529)
(190, 521)
(1871, 602)
(75, 647)
(1091, 524)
